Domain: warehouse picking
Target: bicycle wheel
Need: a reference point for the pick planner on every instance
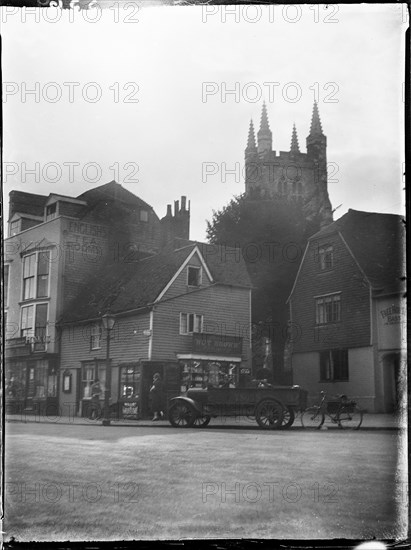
(312, 417)
(349, 417)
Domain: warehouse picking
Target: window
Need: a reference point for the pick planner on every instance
(95, 337)
(130, 381)
(15, 227)
(328, 309)
(6, 284)
(143, 216)
(38, 380)
(334, 365)
(29, 274)
(90, 372)
(43, 265)
(326, 257)
(190, 322)
(36, 269)
(51, 211)
(194, 276)
(34, 324)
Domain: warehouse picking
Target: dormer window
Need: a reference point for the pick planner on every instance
(15, 227)
(51, 211)
(194, 276)
(326, 256)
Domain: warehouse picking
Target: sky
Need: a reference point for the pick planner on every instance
(142, 96)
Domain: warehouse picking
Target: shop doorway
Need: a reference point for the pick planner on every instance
(391, 377)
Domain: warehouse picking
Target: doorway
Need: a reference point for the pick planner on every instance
(391, 377)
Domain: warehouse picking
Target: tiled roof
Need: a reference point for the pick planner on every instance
(27, 203)
(127, 286)
(377, 242)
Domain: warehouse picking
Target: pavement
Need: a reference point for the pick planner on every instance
(370, 422)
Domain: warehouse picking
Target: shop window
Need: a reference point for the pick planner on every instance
(36, 275)
(326, 257)
(90, 372)
(129, 382)
(194, 276)
(95, 336)
(15, 381)
(334, 365)
(37, 383)
(209, 374)
(328, 309)
(190, 322)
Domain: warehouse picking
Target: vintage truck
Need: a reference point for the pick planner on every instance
(272, 407)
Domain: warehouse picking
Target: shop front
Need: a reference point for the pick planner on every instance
(214, 362)
(31, 379)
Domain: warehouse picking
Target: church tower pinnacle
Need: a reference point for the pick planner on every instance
(316, 129)
(264, 135)
(295, 148)
(251, 144)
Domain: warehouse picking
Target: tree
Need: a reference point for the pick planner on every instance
(272, 235)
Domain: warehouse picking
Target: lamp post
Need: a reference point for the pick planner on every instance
(108, 323)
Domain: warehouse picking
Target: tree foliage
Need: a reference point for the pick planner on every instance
(272, 235)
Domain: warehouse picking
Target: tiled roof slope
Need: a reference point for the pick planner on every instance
(378, 244)
(127, 286)
(112, 191)
(26, 203)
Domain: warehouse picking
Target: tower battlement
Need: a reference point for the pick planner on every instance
(301, 176)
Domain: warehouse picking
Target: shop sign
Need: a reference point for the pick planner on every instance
(130, 409)
(217, 344)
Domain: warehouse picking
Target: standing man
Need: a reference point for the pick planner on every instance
(95, 411)
(157, 398)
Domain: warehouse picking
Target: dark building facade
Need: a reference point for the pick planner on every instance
(55, 244)
(347, 311)
(183, 313)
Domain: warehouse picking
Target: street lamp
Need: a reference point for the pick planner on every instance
(108, 323)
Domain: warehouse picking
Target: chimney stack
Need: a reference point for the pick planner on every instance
(169, 212)
(183, 203)
(176, 207)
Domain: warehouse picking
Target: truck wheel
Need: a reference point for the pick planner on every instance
(181, 415)
(269, 414)
(288, 418)
(202, 421)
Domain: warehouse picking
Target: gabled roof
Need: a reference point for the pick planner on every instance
(112, 191)
(123, 287)
(377, 244)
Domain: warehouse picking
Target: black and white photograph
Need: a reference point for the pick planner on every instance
(204, 272)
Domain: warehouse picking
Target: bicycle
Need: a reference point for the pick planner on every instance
(344, 412)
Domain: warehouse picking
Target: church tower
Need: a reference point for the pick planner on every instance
(289, 174)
